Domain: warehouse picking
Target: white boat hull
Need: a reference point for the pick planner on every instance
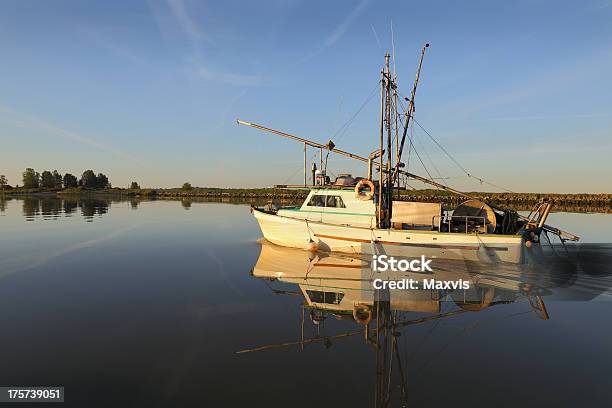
(300, 233)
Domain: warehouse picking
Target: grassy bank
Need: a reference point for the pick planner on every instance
(575, 202)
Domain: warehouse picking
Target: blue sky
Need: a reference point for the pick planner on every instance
(520, 92)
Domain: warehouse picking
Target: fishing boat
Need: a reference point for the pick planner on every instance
(365, 214)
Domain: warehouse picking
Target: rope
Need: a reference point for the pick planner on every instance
(342, 130)
(419, 157)
(411, 136)
(316, 153)
(456, 162)
(432, 162)
(481, 180)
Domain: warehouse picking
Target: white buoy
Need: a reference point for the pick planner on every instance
(313, 246)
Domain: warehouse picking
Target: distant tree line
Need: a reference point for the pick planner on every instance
(48, 179)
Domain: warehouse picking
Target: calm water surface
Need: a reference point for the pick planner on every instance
(130, 303)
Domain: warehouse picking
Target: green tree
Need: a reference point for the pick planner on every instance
(57, 179)
(88, 179)
(102, 181)
(134, 186)
(70, 180)
(186, 186)
(46, 179)
(31, 178)
(3, 181)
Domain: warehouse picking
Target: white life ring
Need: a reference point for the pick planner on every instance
(362, 314)
(360, 193)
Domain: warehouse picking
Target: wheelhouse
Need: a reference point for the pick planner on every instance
(334, 206)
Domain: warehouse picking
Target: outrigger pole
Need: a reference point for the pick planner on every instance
(331, 147)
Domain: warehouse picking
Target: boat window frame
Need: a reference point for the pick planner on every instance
(325, 198)
(338, 201)
(324, 297)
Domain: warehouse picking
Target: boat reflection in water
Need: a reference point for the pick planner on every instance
(340, 286)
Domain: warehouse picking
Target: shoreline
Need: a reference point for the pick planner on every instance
(519, 201)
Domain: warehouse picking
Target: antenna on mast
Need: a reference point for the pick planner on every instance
(394, 100)
(393, 48)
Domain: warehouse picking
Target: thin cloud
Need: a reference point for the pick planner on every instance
(344, 26)
(230, 108)
(187, 24)
(232, 78)
(550, 117)
(555, 77)
(104, 42)
(376, 36)
(602, 5)
(339, 31)
(28, 121)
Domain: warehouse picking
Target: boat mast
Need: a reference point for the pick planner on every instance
(395, 114)
(389, 186)
(379, 216)
(409, 113)
(385, 182)
(305, 171)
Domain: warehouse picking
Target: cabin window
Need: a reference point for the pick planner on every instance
(326, 201)
(335, 201)
(318, 296)
(317, 201)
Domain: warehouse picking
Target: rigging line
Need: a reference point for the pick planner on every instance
(292, 175)
(465, 330)
(456, 162)
(410, 137)
(442, 148)
(419, 157)
(450, 156)
(431, 161)
(301, 168)
(435, 141)
(342, 130)
(432, 328)
(411, 146)
(279, 292)
(421, 160)
(453, 177)
(408, 185)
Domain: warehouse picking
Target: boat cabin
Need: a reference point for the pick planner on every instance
(334, 206)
